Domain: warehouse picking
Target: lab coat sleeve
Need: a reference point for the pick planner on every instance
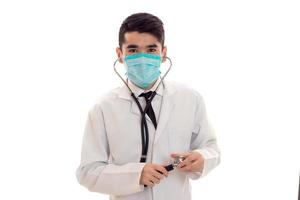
(204, 140)
(95, 172)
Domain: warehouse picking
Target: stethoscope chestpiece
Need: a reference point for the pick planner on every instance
(175, 163)
(178, 160)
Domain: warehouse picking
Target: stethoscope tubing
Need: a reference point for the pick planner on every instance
(144, 125)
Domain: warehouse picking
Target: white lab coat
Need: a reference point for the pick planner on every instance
(111, 147)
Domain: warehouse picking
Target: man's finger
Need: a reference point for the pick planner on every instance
(174, 155)
(188, 160)
(189, 163)
(154, 180)
(195, 164)
(162, 170)
(157, 174)
(149, 183)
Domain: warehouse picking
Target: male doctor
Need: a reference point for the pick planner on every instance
(111, 158)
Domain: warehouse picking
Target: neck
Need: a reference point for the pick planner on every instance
(151, 85)
(148, 88)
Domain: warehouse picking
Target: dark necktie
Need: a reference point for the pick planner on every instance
(150, 111)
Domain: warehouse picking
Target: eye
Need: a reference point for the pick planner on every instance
(152, 50)
(133, 50)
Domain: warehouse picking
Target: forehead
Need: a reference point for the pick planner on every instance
(140, 39)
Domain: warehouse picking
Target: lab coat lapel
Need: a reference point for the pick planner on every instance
(166, 107)
(166, 110)
(124, 93)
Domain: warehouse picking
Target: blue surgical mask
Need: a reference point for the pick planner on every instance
(142, 69)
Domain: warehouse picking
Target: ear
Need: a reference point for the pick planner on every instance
(164, 54)
(119, 54)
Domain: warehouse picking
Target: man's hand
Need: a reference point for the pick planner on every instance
(152, 174)
(193, 162)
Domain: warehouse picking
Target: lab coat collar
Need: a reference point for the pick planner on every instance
(137, 91)
(163, 89)
(166, 107)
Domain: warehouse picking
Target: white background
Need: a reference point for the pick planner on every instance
(242, 56)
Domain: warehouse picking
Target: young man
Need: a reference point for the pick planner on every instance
(111, 159)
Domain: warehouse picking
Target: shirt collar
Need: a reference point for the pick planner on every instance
(137, 91)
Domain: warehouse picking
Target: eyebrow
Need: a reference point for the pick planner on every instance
(132, 46)
(152, 46)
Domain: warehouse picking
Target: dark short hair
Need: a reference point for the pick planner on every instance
(142, 23)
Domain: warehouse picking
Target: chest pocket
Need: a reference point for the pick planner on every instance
(179, 140)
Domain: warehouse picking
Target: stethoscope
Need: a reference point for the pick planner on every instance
(144, 125)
